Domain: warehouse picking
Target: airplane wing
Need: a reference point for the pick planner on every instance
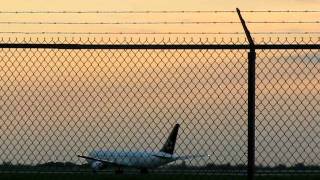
(100, 160)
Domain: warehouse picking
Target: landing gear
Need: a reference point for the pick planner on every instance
(119, 170)
(144, 171)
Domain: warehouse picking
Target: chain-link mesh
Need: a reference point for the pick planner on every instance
(288, 110)
(57, 103)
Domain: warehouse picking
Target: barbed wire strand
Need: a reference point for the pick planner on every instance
(152, 33)
(150, 11)
(161, 22)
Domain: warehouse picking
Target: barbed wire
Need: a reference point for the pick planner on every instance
(138, 33)
(153, 33)
(151, 11)
(159, 22)
(116, 23)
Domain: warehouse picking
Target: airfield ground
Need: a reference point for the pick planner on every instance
(88, 176)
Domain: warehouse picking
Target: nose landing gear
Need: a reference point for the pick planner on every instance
(144, 171)
(119, 170)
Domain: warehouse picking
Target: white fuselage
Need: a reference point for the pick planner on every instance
(137, 159)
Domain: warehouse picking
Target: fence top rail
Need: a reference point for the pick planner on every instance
(157, 46)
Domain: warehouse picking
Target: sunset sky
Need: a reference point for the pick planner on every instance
(161, 5)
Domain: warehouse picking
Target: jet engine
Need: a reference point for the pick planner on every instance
(96, 165)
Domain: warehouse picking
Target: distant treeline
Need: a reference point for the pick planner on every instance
(229, 167)
(69, 166)
(59, 166)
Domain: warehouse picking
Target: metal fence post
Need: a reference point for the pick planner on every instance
(251, 114)
(251, 100)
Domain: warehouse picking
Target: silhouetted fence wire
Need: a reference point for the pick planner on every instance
(60, 99)
(160, 12)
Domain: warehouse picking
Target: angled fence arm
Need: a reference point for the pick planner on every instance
(251, 100)
(246, 31)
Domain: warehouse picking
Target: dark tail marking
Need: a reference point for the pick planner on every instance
(168, 147)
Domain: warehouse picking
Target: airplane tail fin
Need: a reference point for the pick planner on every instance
(168, 147)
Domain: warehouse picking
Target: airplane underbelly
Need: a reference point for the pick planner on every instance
(149, 162)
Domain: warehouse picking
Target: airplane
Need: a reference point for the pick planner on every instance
(143, 160)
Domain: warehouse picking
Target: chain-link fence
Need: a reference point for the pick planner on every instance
(288, 110)
(65, 100)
